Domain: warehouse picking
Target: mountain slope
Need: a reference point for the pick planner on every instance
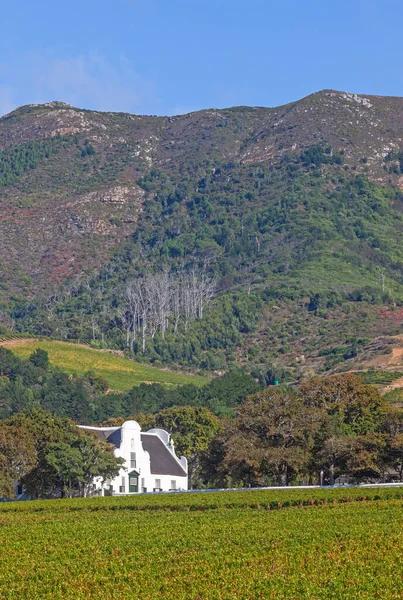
(87, 202)
(299, 203)
(121, 374)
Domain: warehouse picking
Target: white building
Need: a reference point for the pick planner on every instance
(151, 464)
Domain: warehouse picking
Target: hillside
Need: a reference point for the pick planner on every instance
(77, 172)
(121, 373)
(296, 212)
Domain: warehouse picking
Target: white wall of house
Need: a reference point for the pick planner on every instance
(135, 476)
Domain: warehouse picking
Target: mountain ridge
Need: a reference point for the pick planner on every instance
(62, 104)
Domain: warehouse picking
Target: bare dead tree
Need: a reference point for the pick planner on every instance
(93, 296)
(162, 286)
(207, 286)
(129, 313)
(176, 302)
(150, 302)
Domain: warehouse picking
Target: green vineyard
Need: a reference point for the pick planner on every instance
(379, 377)
(285, 544)
(121, 373)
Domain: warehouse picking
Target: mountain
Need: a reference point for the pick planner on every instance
(295, 211)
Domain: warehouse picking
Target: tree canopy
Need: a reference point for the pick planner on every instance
(49, 455)
(325, 428)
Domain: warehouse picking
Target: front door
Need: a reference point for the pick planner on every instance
(133, 482)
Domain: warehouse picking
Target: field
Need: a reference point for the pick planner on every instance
(310, 544)
(121, 373)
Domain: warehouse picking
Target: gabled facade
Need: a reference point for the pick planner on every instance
(151, 464)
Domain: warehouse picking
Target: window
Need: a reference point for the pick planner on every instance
(173, 484)
(122, 486)
(157, 487)
(132, 460)
(133, 483)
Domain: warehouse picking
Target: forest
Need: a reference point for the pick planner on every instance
(234, 431)
(26, 157)
(309, 230)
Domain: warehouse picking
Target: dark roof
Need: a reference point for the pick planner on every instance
(115, 437)
(162, 460)
(112, 436)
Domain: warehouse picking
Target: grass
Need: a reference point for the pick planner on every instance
(227, 546)
(394, 396)
(328, 272)
(121, 373)
(379, 377)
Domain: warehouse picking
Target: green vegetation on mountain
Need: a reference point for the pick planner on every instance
(85, 395)
(295, 215)
(19, 159)
(121, 374)
(334, 242)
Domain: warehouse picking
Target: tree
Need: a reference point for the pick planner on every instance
(45, 429)
(10, 365)
(367, 460)
(271, 438)
(272, 375)
(347, 442)
(192, 428)
(17, 456)
(66, 464)
(358, 407)
(66, 396)
(395, 453)
(151, 301)
(47, 454)
(97, 460)
(40, 358)
(77, 463)
(393, 428)
(228, 390)
(333, 455)
(213, 471)
(360, 457)
(316, 302)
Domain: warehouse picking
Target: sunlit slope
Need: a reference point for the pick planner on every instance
(121, 373)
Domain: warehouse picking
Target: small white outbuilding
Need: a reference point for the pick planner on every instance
(151, 464)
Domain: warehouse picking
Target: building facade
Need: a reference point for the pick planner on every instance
(151, 464)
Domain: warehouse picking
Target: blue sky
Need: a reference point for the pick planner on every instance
(169, 57)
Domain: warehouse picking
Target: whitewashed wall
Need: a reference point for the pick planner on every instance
(131, 443)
